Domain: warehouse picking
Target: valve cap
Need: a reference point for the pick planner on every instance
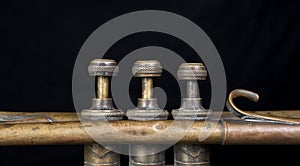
(192, 71)
(147, 68)
(103, 67)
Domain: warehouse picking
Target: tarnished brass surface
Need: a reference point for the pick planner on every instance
(94, 156)
(227, 132)
(280, 113)
(144, 158)
(102, 87)
(191, 154)
(147, 88)
(74, 133)
(239, 132)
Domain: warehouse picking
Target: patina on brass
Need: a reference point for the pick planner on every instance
(147, 88)
(147, 109)
(233, 132)
(102, 87)
(95, 154)
(191, 109)
(102, 109)
(191, 154)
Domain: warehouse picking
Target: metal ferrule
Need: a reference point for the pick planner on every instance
(191, 109)
(143, 158)
(192, 104)
(147, 104)
(97, 155)
(102, 109)
(191, 154)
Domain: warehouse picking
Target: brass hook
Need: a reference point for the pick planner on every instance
(249, 116)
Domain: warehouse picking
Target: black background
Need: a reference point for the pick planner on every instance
(257, 40)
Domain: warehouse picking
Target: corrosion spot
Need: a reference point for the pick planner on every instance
(35, 128)
(157, 127)
(207, 125)
(143, 133)
(132, 132)
(87, 126)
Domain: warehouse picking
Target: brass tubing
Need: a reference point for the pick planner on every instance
(147, 88)
(279, 113)
(75, 133)
(102, 87)
(226, 132)
(238, 132)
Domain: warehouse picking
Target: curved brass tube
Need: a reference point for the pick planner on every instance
(250, 116)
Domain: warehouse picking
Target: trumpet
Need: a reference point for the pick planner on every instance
(142, 131)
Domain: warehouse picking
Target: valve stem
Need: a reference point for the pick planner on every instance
(102, 87)
(147, 109)
(191, 109)
(102, 109)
